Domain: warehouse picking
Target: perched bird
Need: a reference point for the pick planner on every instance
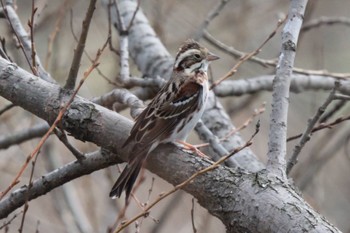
(172, 114)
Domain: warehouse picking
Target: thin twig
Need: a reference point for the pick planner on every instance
(73, 72)
(63, 138)
(134, 15)
(317, 161)
(8, 222)
(54, 33)
(268, 62)
(3, 51)
(6, 108)
(145, 213)
(6, 12)
(111, 47)
(121, 214)
(257, 112)
(325, 20)
(166, 213)
(341, 97)
(236, 53)
(211, 15)
(247, 56)
(307, 133)
(31, 27)
(245, 124)
(215, 144)
(336, 108)
(27, 134)
(24, 42)
(87, 54)
(67, 202)
(30, 184)
(192, 217)
(322, 126)
(57, 120)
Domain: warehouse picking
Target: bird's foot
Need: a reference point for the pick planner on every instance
(187, 146)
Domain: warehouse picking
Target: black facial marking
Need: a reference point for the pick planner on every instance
(173, 87)
(188, 61)
(167, 96)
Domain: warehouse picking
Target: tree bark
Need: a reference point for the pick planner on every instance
(245, 200)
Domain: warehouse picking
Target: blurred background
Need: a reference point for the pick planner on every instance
(322, 173)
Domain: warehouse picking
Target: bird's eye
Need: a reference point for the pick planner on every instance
(197, 56)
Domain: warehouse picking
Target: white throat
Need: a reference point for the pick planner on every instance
(203, 66)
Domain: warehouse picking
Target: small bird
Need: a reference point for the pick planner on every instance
(172, 114)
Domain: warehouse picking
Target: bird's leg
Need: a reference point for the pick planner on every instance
(188, 146)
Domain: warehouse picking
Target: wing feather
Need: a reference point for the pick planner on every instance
(162, 116)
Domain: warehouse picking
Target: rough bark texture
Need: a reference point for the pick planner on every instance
(154, 60)
(244, 201)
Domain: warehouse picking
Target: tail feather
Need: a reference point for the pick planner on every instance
(127, 178)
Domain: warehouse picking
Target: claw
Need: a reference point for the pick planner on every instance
(190, 147)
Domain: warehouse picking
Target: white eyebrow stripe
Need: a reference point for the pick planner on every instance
(185, 54)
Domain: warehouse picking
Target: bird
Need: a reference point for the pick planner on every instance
(172, 113)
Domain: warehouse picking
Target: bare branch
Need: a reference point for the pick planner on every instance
(91, 122)
(317, 161)
(122, 96)
(280, 98)
(8, 222)
(6, 108)
(236, 53)
(315, 23)
(31, 27)
(192, 217)
(323, 126)
(78, 52)
(54, 33)
(154, 60)
(25, 43)
(268, 62)
(27, 134)
(212, 14)
(56, 121)
(214, 142)
(63, 138)
(307, 133)
(299, 83)
(67, 201)
(213, 166)
(247, 56)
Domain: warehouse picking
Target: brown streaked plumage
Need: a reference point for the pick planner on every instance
(172, 113)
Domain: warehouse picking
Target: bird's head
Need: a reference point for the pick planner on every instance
(192, 57)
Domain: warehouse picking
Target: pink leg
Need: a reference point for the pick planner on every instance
(191, 147)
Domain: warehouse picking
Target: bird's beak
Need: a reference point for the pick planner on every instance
(212, 57)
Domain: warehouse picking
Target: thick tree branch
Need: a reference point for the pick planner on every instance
(153, 60)
(299, 83)
(234, 196)
(277, 145)
(245, 202)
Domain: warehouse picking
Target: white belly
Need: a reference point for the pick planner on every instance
(182, 135)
